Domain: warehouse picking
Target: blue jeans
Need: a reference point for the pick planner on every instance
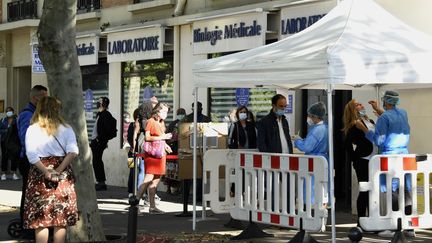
(141, 174)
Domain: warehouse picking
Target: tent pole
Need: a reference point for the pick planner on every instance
(194, 188)
(331, 158)
(377, 94)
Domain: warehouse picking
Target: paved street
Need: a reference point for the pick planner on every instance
(169, 228)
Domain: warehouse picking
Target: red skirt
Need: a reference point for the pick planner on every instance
(50, 204)
(154, 166)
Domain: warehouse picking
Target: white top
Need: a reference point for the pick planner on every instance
(40, 144)
(283, 139)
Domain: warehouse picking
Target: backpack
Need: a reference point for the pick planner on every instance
(112, 127)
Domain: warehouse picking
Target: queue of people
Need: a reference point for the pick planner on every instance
(45, 164)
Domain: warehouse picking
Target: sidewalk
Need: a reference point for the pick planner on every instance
(113, 205)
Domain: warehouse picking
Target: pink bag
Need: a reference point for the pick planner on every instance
(155, 149)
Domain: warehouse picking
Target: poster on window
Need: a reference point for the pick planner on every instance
(37, 66)
(242, 96)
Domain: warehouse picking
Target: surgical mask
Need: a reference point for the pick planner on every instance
(384, 106)
(309, 121)
(180, 117)
(127, 119)
(362, 112)
(280, 112)
(242, 116)
(163, 115)
(9, 113)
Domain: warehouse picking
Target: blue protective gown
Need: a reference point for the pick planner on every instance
(315, 143)
(391, 135)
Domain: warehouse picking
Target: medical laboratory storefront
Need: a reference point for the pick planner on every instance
(140, 61)
(215, 36)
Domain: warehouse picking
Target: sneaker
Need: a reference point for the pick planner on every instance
(155, 210)
(386, 234)
(3, 177)
(15, 177)
(409, 233)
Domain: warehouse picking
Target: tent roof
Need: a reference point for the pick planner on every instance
(356, 43)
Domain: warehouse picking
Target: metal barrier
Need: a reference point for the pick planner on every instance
(269, 188)
(397, 167)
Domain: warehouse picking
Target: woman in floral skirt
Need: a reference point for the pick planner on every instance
(51, 146)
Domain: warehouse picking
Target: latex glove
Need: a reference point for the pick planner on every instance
(295, 137)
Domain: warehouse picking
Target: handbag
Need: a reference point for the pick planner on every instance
(155, 149)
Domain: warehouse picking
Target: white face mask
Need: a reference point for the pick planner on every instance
(9, 113)
(309, 121)
(163, 115)
(242, 116)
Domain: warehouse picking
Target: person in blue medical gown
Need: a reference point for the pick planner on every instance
(316, 141)
(391, 135)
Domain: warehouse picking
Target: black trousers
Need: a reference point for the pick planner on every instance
(98, 148)
(361, 167)
(5, 158)
(24, 168)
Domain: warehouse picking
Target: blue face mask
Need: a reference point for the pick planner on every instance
(180, 117)
(280, 112)
(362, 113)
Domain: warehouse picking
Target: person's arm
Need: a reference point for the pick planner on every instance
(3, 127)
(308, 144)
(23, 124)
(150, 127)
(136, 131)
(380, 135)
(71, 150)
(288, 138)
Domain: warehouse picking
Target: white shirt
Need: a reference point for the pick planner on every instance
(283, 139)
(39, 144)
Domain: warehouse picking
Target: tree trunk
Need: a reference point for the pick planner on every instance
(57, 50)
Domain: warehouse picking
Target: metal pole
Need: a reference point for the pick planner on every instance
(194, 158)
(331, 158)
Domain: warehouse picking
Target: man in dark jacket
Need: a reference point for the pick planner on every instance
(99, 141)
(273, 130)
(200, 117)
(23, 123)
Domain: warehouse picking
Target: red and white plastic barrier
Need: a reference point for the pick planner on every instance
(396, 167)
(269, 187)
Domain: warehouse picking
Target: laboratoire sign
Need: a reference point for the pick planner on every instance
(232, 33)
(296, 19)
(139, 44)
(87, 50)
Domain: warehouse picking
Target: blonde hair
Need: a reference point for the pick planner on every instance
(350, 116)
(47, 114)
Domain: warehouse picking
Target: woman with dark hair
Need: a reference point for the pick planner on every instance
(244, 132)
(359, 148)
(50, 198)
(155, 167)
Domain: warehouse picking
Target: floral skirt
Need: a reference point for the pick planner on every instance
(50, 204)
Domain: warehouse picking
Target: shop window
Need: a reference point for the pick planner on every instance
(137, 75)
(94, 81)
(223, 100)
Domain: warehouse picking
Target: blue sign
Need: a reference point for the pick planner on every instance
(289, 107)
(88, 100)
(242, 96)
(148, 93)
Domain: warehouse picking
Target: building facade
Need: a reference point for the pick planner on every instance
(125, 46)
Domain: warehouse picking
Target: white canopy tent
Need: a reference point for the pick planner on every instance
(356, 44)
